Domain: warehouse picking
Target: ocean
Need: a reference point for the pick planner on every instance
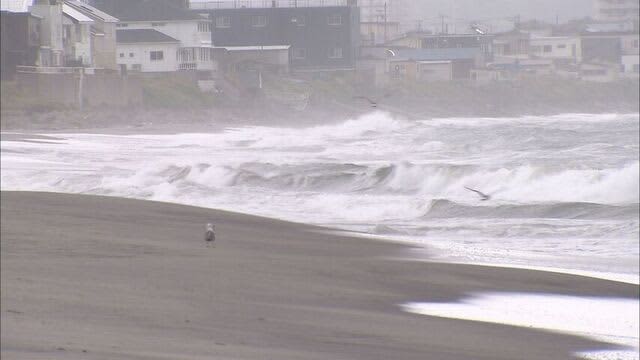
(564, 190)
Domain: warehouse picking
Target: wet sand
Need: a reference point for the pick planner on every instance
(87, 277)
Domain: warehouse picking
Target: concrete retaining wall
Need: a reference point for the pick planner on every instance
(98, 89)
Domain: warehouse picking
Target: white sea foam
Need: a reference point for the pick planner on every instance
(611, 320)
(563, 188)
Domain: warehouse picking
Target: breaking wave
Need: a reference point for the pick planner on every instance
(570, 210)
(572, 176)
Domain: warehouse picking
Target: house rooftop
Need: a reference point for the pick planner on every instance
(134, 36)
(90, 11)
(76, 15)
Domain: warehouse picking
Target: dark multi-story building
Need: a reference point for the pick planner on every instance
(118, 8)
(20, 43)
(321, 34)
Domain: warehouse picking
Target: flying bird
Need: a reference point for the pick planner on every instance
(371, 102)
(483, 196)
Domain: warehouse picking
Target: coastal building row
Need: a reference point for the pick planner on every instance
(215, 39)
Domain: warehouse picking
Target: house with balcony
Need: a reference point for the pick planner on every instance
(146, 50)
(69, 33)
(190, 29)
(76, 38)
(102, 33)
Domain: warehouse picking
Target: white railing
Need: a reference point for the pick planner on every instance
(188, 66)
(238, 4)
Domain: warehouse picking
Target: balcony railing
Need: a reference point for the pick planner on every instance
(188, 66)
(238, 4)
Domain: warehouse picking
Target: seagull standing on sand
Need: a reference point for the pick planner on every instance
(483, 196)
(209, 235)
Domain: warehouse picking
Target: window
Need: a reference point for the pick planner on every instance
(187, 55)
(547, 48)
(121, 55)
(204, 27)
(130, 55)
(299, 53)
(122, 25)
(636, 68)
(158, 24)
(562, 46)
(335, 19)
(299, 20)
(156, 55)
(635, 44)
(259, 21)
(223, 21)
(136, 67)
(398, 71)
(335, 53)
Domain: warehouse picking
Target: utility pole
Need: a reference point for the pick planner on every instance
(80, 88)
(385, 22)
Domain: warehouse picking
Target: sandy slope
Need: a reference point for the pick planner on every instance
(88, 277)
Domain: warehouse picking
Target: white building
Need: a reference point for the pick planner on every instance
(563, 48)
(52, 47)
(631, 65)
(77, 37)
(146, 50)
(616, 10)
(103, 34)
(193, 31)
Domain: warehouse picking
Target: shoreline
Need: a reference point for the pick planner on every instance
(128, 270)
(202, 123)
(625, 277)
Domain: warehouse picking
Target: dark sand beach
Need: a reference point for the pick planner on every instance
(86, 277)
